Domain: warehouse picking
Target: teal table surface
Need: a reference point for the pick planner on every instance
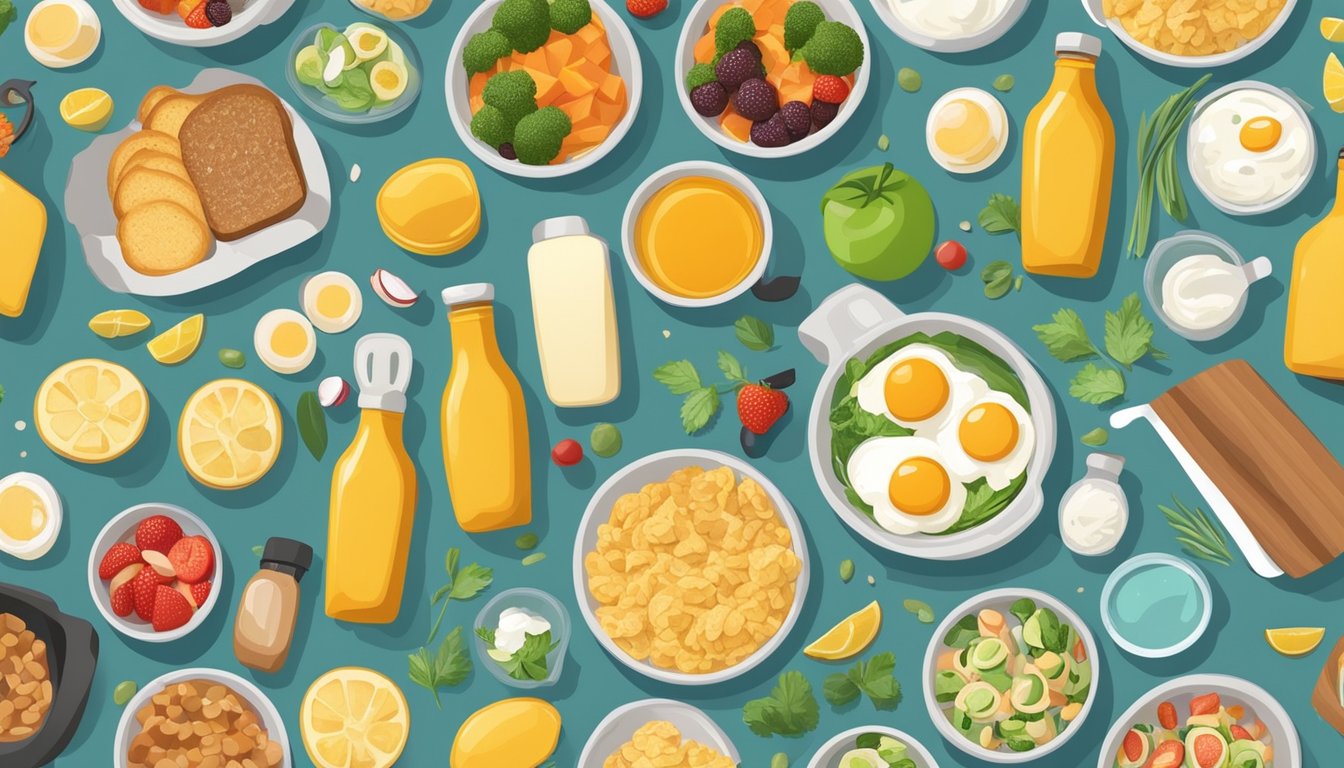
(292, 499)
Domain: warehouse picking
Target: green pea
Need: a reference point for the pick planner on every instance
(526, 541)
(534, 558)
(1004, 83)
(1096, 437)
(780, 760)
(124, 692)
(909, 80)
(883, 143)
(605, 440)
(232, 358)
(846, 570)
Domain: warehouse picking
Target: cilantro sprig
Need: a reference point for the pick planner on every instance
(1128, 339)
(874, 678)
(451, 664)
(790, 709)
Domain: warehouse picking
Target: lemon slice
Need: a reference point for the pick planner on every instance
(91, 410)
(88, 109)
(849, 637)
(1332, 29)
(118, 322)
(353, 716)
(1295, 641)
(179, 342)
(1334, 83)
(230, 434)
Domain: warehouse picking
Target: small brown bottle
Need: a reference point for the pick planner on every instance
(264, 625)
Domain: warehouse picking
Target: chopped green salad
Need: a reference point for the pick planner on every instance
(356, 70)
(876, 750)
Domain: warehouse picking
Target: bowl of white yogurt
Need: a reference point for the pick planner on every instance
(522, 636)
(950, 26)
(1197, 283)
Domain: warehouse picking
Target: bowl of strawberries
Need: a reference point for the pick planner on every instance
(200, 23)
(153, 571)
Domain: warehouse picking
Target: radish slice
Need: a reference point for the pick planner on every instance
(392, 289)
(332, 391)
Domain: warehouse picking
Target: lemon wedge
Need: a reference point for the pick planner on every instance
(1295, 641)
(91, 410)
(179, 342)
(88, 109)
(1332, 29)
(1334, 83)
(353, 716)
(118, 322)
(849, 637)
(230, 434)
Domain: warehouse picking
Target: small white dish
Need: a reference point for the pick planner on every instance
(127, 727)
(661, 178)
(992, 106)
(1197, 576)
(1006, 21)
(1165, 255)
(170, 27)
(88, 20)
(696, 25)
(1096, 10)
(656, 468)
(625, 63)
(122, 528)
(617, 728)
(831, 752)
(319, 103)
(540, 603)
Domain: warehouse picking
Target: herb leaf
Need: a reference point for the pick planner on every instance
(1065, 337)
(731, 367)
(1129, 335)
(679, 376)
(1096, 437)
(790, 709)
(874, 677)
(1095, 385)
(529, 662)
(754, 333)
(698, 408)
(839, 690)
(1197, 533)
(312, 424)
(922, 610)
(463, 584)
(1001, 215)
(448, 667)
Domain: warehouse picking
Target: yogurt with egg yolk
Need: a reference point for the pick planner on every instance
(949, 19)
(1249, 148)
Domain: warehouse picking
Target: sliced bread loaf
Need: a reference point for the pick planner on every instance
(143, 185)
(121, 156)
(162, 237)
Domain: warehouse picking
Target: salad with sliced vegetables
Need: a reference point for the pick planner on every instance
(876, 750)
(1211, 736)
(356, 70)
(1013, 688)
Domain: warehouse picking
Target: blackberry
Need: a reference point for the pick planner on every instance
(709, 99)
(770, 133)
(735, 67)
(219, 12)
(756, 100)
(823, 112)
(797, 118)
(506, 151)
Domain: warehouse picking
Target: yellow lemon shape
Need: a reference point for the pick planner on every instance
(354, 717)
(1334, 83)
(88, 109)
(520, 733)
(230, 434)
(849, 637)
(1295, 641)
(432, 207)
(118, 322)
(1332, 29)
(179, 342)
(91, 410)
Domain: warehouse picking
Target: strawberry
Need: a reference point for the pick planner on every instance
(197, 18)
(759, 407)
(118, 557)
(830, 89)
(199, 591)
(645, 9)
(144, 587)
(192, 558)
(121, 592)
(157, 532)
(171, 609)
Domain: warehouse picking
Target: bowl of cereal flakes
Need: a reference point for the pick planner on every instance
(1192, 33)
(690, 567)
(668, 732)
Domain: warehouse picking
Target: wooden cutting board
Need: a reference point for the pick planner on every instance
(1282, 481)
(1325, 698)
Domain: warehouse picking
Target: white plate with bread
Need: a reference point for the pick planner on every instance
(204, 183)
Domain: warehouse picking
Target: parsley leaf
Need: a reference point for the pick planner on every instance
(754, 333)
(731, 367)
(698, 408)
(789, 710)
(463, 584)
(874, 677)
(1129, 335)
(529, 662)
(1065, 337)
(1001, 215)
(1095, 385)
(679, 376)
(449, 667)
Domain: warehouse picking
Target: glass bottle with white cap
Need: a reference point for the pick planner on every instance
(1094, 512)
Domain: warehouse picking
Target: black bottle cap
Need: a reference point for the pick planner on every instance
(289, 555)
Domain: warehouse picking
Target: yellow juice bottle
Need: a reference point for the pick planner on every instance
(484, 420)
(1068, 161)
(1313, 343)
(373, 491)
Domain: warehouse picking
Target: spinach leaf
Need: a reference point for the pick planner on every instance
(962, 633)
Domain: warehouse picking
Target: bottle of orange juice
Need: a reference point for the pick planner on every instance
(1313, 344)
(1068, 159)
(485, 448)
(373, 491)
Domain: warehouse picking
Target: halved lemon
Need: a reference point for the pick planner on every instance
(88, 109)
(91, 410)
(1332, 29)
(1295, 641)
(179, 342)
(118, 322)
(230, 434)
(849, 637)
(353, 717)
(1334, 83)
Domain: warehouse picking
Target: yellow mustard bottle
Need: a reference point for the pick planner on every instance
(1068, 161)
(1313, 344)
(373, 491)
(23, 220)
(484, 420)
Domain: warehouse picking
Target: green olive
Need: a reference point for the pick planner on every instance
(909, 80)
(605, 440)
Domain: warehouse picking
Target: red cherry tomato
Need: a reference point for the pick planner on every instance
(951, 255)
(1240, 734)
(1206, 704)
(567, 453)
(1166, 715)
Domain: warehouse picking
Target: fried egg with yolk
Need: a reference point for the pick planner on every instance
(906, 482)
(919, 388)
(993, 438)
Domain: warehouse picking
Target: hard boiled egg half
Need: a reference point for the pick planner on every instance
(967, 130)
(30, 515)
(285, 341)
(332, 301)
(906, 482)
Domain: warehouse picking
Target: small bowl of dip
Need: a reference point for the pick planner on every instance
(945, 27)
(1156, 605)
(697, 234)
(1198, 283)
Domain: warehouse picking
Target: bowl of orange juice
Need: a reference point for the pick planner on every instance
(697, 234)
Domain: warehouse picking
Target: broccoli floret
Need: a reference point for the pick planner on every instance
(513, 93)
(800, 22)
(734, 26)
(483, 50)
(699, 75)
(569, 16)
(526, 23)
(491, 126)
(833, 49)
(538, 135)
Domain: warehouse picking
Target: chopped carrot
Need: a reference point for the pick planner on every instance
(991, 623)
(736, 125)
(1236, 711)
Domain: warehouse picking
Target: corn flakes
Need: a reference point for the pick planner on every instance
(658, 744)
(694, 574)
(1194, 27)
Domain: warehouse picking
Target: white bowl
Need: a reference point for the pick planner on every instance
(122, 528)
(617, 728)
(656, 468)
(1232, 691)
(1000, 600)
(1010, 16)
(1094, 9)
(1238, 209)
(839, 744)
(661, 178)
(1153, 558)
(270, 717)
(696, 25)
(170, 27)
(1169, 252)
(626, 63)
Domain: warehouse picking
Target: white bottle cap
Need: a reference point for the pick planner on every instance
(1108, 465)
(1077, 42)
(468, 293)
(383, 371)
(560, 226)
